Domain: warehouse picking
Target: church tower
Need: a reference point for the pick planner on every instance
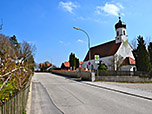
(120, 28)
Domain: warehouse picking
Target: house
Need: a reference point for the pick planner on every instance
(80, 64)
(66, 65)
(44, 66)
(115, 54)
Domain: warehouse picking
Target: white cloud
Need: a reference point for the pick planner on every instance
(120, 5)
(68, 6)
(61, 42)
(80, 41)
(109, 9)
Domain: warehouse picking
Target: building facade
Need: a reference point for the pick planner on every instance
(113, 53)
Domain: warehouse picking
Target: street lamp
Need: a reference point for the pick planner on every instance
(88, 41)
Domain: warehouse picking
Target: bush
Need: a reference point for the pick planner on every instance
(103, 67)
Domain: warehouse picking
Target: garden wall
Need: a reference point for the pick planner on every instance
(134, 79)
(72, 74)
(85, 75)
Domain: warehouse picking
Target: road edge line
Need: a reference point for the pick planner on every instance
(115, 90)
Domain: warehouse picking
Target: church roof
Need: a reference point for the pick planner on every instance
(103, 50)
(120, 24)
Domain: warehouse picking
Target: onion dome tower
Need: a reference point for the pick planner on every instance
(120, 28)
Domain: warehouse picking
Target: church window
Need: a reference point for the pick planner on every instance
(117, 33)
(124, 32)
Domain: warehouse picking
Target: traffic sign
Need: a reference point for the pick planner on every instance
(96, 58)
(89, 63)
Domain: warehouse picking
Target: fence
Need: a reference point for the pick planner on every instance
(17, 103)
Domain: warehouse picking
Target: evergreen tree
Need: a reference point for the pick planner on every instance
(77, 62)
(72, 61)
(141, 55)
(150, 52)
(62, 66)
(14, 41)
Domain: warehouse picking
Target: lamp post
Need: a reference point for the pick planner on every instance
(88, 41)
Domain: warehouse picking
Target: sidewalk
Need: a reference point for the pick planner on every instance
(39, 101)
(138, 90)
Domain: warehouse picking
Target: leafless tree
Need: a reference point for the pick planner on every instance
(134, 43)
(116, 62)
(147, 41)
(15, 62)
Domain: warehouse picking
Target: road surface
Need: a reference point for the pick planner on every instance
(53, 94)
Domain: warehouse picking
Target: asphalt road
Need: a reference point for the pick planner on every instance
(53, 94)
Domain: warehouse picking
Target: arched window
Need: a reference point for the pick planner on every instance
(124, 32)
(117, 33)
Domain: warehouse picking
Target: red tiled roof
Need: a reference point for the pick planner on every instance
(80, 64)
(48, 64)
(129, 61)
(103, 50)
(67, 64)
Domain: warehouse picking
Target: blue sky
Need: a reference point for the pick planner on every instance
(49, 24)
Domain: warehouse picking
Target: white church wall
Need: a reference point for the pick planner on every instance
(121, 36)
(106, 60)
(120, 30)
(125, 50)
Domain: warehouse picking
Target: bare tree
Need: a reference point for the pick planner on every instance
(147, 41)
(15, 62)
(116, 62)
(26, 50)
(134, 43)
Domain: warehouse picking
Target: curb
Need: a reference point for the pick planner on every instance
(115, 90)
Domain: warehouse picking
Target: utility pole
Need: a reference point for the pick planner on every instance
(88, 43)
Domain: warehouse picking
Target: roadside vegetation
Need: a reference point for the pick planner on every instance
(16, 65)
(142, 50)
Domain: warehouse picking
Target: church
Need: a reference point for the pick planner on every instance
(116, 54)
